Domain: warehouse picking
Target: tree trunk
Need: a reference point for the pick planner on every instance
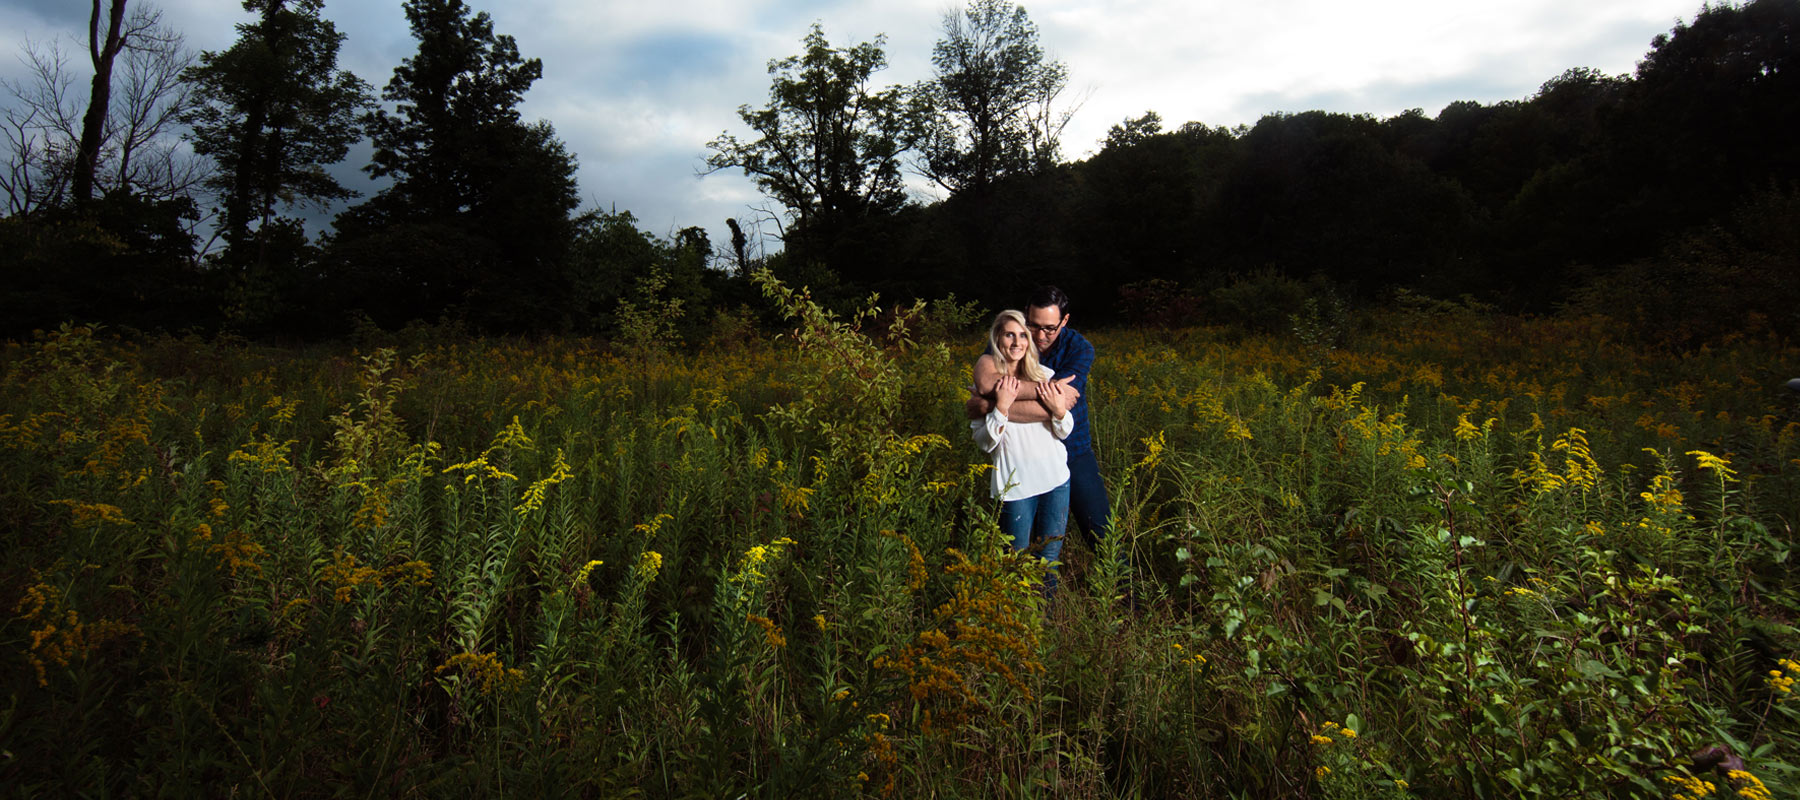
(93, 124)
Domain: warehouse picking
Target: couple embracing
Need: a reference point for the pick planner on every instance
(1029, 412)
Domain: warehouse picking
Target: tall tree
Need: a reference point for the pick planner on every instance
(477, 219)
(828, 144)
(990, 108)
(105, 43)
(48, 124)
(274, 110)
(464, 82)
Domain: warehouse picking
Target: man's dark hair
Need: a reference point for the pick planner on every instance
(1047, 296)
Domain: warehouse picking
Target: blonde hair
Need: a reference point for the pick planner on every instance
(1028, 368)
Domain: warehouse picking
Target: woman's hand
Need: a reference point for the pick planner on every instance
(1057, 396)
(1006, 390)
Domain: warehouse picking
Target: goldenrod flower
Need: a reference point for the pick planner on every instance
(771, 632)
(486, 670)
(1716, 464)
(649, 564)
(581, 575)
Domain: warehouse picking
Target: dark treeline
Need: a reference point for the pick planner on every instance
(1668, 198)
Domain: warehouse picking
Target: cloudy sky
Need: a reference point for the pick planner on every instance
(637, 88)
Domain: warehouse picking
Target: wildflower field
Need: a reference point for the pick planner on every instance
(1459, 555)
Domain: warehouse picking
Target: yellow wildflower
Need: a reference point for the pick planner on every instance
(1716, 464)
(1749, 786)
(649, 564)
(486, 670)
(581, 575)
(771, 632)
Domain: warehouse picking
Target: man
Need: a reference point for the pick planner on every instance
(1071, 357)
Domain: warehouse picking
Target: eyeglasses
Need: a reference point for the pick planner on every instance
(1043, 328)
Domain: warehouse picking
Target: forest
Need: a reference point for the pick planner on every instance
(1664, 198)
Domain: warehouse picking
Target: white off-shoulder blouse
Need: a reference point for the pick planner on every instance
(1029, 457)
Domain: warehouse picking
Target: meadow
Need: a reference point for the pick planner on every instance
(1441, 553)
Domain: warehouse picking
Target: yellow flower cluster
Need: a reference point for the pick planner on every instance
(1466, 430)
(86, 514)
(58, 634)
(1193, 660)
(984, 631)
(344, 575)
(1580, 471)
(795, 499)
(1718, 465)
(1688, 787)
(1330, 729)
(533, 499)
(486, 670)
(771, 632)
(1662, 496)
(750, 567)
(1390, 434)
(266, 454)
(915, 561)
(1153, 450)
(1749, 786)
(1782, 680)
(235, 552)
(511, 437)
(649, 564)
(655, 524)
(581, 575)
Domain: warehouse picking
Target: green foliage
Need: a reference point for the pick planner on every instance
(647, 321)
(987, 113)
(1711, 284)
(476, 223)
(1265, 300)
(272, 111)
(827, 146)
(1434, 561)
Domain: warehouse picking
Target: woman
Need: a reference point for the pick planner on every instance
(1031, 467)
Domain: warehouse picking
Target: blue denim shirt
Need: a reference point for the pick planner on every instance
(1073, 355)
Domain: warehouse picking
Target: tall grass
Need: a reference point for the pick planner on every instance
(1461, 555)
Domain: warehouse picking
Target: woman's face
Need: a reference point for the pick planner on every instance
(1014, 341)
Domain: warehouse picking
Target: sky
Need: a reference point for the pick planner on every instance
(636, 89)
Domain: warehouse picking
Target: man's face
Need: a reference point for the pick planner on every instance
(1045, 324)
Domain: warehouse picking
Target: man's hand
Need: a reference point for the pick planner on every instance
(978, 406)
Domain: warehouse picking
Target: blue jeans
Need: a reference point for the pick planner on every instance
(1043, 518)
(1087, 498)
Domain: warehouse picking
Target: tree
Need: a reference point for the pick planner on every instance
(142, 30)
(828, 144)
(1133, 131)
(464, 83)
(273, 111)
(477, 219)
(54, 142)
(989, 110)
(1709, 119)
